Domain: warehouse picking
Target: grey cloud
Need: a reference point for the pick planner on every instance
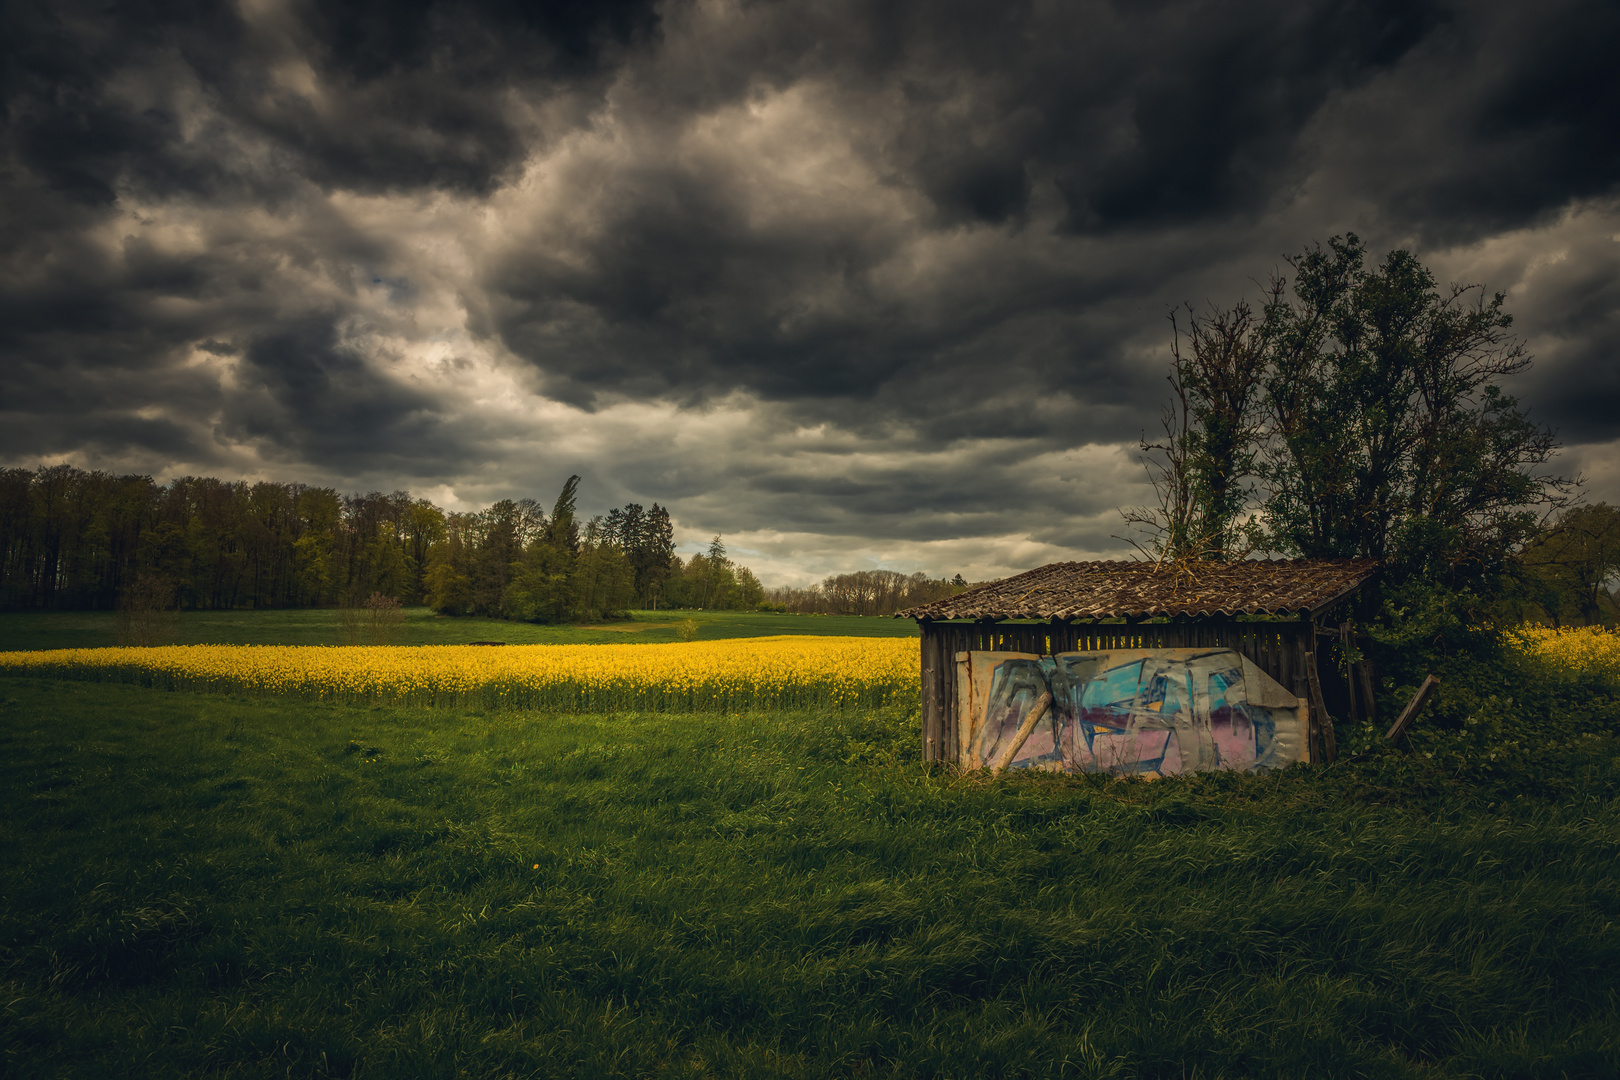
(1126, 120)
(1493, 122)
(1535, 135)
(1138, 113)
(1577, 387)
(405, 95)
(313, 399)
(346, 240)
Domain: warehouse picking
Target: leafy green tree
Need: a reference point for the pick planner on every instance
(543, 585)
(317, 511)
(1390, 434)
(747, 593)
(495, 543)
(604, 581)
(542, 588)
(1361, 414)
(448, 581)
(719, 578)
(678, 590)
(1572, 567)
(424, 528)
(561, 530)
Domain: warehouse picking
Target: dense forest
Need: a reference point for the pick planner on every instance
(77, 540)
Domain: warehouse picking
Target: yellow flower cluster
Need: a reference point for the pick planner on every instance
(1591, 651)
(742, 673)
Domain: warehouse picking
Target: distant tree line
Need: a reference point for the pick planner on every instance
(866, 592)
(77, 540)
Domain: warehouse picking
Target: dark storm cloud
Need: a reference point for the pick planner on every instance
(1543, 129)
(1131, 122)
(1575, 383)
(1139, 114)
(464, 244)
(188, 106)
(1132, 119)
(313, 399)
(414, 91)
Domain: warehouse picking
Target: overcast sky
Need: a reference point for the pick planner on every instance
(854, 284)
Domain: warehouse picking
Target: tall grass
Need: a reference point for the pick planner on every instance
(215, 885)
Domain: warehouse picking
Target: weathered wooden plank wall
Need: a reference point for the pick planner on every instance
(1278, 649)
(934, 671)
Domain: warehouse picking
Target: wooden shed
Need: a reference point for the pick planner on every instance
(1272, 612)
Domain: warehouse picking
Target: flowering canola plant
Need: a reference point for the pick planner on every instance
(743, 673)
(1573, 651)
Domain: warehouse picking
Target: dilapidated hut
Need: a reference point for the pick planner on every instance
(1071, 627)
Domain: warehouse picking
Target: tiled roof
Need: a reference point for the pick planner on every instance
(1097, 590)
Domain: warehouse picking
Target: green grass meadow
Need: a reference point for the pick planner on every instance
(320, 626)
(204, 885)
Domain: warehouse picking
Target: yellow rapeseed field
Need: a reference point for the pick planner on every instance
(743, 673)
(1573, 651)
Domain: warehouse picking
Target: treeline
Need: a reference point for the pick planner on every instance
(866, 592)
(77, 540)
(711, 580)
(515, 561)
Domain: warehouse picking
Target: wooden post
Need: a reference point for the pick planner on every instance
(953, 645)
(1346, 643)
(1409, 714)
(1364, 668)
(1324, 725)
(1303, 693)
(933, 711)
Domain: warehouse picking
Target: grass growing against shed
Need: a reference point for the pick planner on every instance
(200, 885)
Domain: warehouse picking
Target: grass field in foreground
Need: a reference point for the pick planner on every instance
(319, 626)
(205, 885)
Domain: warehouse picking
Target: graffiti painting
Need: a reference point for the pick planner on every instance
(1139, 712)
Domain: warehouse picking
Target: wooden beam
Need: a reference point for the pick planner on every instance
(1324, 723)
(1036, 711)
(1302, 694)
(1346, 642)
(1409, 714)
(1364, 668)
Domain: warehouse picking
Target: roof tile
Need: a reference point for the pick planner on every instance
(1097, 590)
